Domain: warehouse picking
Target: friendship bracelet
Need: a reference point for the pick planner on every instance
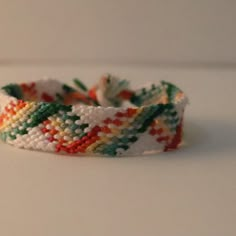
(109, 119)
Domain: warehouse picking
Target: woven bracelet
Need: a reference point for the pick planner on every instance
(109, 119)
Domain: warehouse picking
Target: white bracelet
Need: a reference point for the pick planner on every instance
(50, 116)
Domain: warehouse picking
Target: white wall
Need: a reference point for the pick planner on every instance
(127, 31)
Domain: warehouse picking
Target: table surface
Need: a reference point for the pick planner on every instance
(191, 191)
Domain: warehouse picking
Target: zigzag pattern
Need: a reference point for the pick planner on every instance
(60, 128)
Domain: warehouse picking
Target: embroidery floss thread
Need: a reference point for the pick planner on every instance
(50, 116)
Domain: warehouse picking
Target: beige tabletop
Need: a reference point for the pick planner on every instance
(191, 191)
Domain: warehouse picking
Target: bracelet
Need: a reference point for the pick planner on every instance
(109, 119)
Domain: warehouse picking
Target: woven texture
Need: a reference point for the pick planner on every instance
(109, 119)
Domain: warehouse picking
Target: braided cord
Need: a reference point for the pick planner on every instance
(34, 116)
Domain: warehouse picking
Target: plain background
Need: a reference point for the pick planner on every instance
(182, 32)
